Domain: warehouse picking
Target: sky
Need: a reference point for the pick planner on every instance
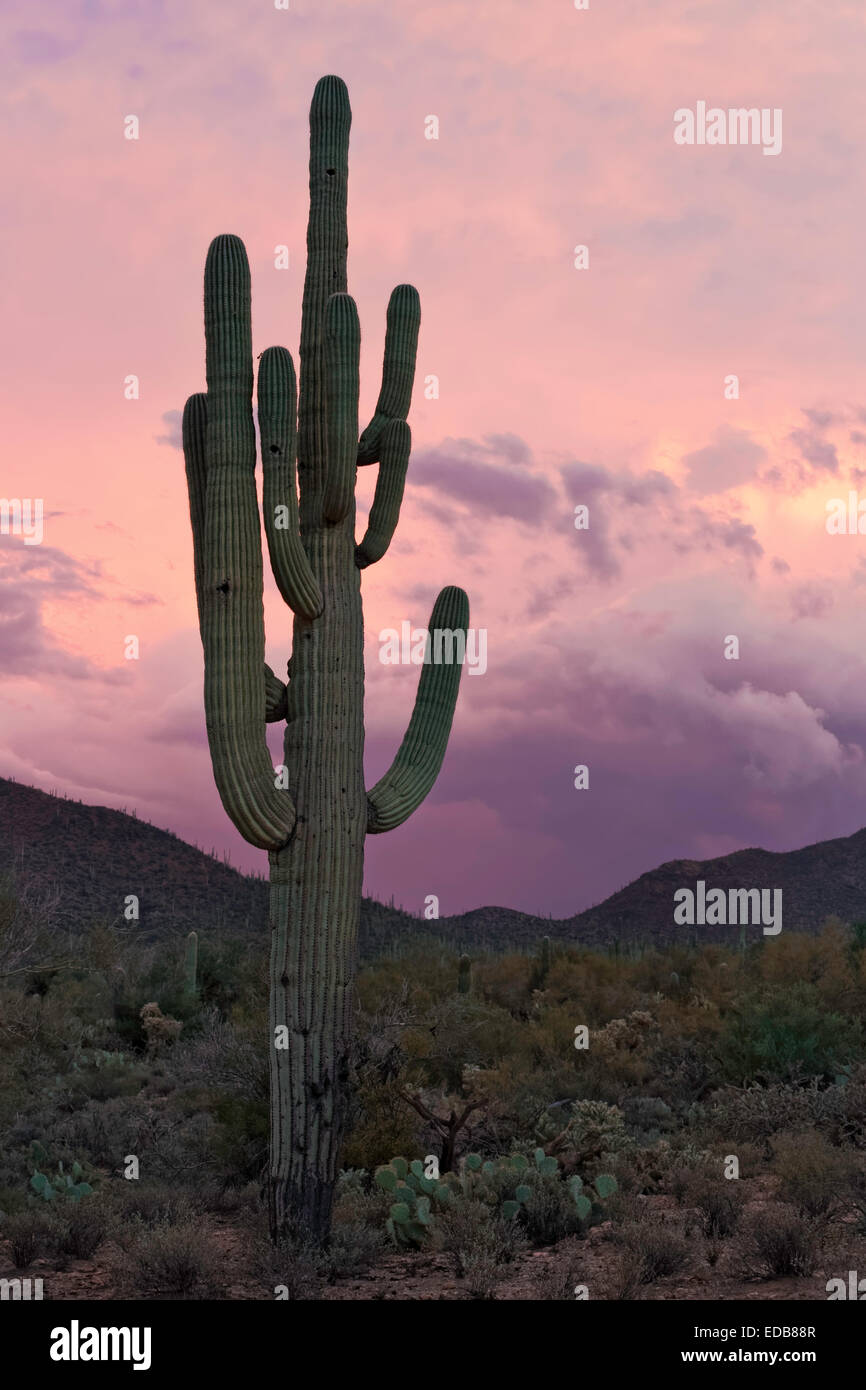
(597, 379)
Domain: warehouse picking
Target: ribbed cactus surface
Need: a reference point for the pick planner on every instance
(313, 817)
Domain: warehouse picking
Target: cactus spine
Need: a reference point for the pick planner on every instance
(191, 965)
(313, 816)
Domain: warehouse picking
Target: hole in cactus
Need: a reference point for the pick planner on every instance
(225, 586)
(330, 173)
(275, 448)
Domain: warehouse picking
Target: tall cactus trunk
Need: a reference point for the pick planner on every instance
(313, 816)
(315, 896)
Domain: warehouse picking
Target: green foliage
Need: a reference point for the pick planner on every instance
(787, 1036)
(60, 1185)
(507, 1185)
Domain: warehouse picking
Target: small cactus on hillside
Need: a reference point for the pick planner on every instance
(190, 987)
(464, 975)
(61, 1184)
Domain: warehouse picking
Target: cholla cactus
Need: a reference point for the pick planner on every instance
(592, 1129)
(159, 1029)
(313, 815)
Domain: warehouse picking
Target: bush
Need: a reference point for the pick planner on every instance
(550, 1213)
(353, 1247)
(557, 1281)
(25, 1231)
(654, 1249)
(787, 1036)
(78, 1231)
(299, 1264)
(481, 1241)
(141, 1206)
(814, 1176)
(777, 1243)
(167, 1259)
(719, 1201)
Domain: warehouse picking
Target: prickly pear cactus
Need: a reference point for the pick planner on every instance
(410, 1218)
(313, 814)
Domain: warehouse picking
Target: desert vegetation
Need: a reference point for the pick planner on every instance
(486, 1155)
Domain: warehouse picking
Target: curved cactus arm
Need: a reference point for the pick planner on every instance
(276, 697)
(233, 629)
(194, 436)
(277, 402)
(342, 355)
(419, 758)
(327, 249)
(194, 431)
(398, 370)
(385, 511)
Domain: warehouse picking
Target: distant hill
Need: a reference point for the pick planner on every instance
(97, 857)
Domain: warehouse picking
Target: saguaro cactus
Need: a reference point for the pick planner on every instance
(313, 815)
(190, 964)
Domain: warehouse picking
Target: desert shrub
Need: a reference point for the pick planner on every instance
(296, 1263)
(647, 1118)
(136, 1207)
(718, 1199)
(357, 1203)
(560, 1275)
(549, 1214)
(624, 1278)
(481, 1241)
(25, 1231)
(814, 1175)
(222, 1197)
(239, 1143)
(381, 1125)
(353, 1246)
(856, 1194)
(78, 1230)
(778, 1243)
(787, 1036)
(760, 1111)
(655, 1248)
(170, 1259)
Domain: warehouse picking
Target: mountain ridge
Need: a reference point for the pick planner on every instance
(97, 856)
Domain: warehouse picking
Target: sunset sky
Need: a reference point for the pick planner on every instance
(559, 386)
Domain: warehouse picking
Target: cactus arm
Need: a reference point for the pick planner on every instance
(233, 631)
(385, 511)
(327, 248)
(277, 402)
(398, 369)
(342, 353)
(276, 697)
(194, 431)
(419, 758)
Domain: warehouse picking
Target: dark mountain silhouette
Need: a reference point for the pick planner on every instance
(97, 857)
